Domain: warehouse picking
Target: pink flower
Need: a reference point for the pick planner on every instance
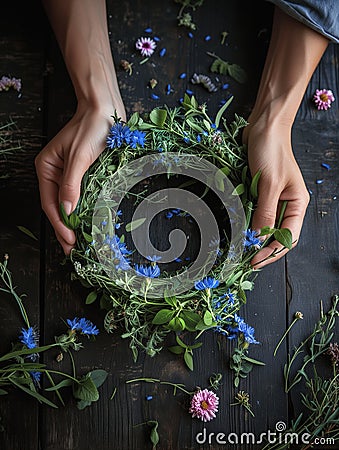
(204, 405)
(323, 98)
(146, 46)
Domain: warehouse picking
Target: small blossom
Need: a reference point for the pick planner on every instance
(323, 98)
(146, 46)
(206, 283)
(137, 138)
(333, 351)
(298, 315)
(29, 337)
(240, 327)
(251, 239)
(118, 135)
(151, 271)
(83, 325)
(6, 83)
(204, 405)
(35, 377)
(153, 258)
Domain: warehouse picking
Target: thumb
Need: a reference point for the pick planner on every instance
(69, 191)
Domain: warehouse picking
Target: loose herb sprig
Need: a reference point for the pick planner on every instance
(20, 367)
(318, 394)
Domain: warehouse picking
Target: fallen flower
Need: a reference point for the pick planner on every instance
(204, 405)
(146, 46)
(323, 98)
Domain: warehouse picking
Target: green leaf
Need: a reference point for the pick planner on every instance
(154, 436)
(266, 230)
(237, 73)
(197, 345)
(176, 324)
(85, 389)
(239, 190)
(236, 381)
(176, 349)
(246, 367)
(202, 326)
(219, 178)
(194, 102)
(34, 394)
(188, 358)
(91, 297)
(135, 224)
(284, 236)
(162, 316)
(253, 361)
(133, 120)
(3, 392)
(88, 237)
(208, 318)
(254, 184)
(222, 110)
(63, 383)
(98, 376)
(158, 117)
(171, 300)
(207, 124)
(180, 342)
(81, 404)
(247, 285)
(64, 216)
(191, 319)
(74, 221)
(194, 125)
(28, 232)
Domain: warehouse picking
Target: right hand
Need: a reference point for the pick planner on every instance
(270, 151)
(62, 163)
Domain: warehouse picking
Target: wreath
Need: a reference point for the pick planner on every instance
(187, 148)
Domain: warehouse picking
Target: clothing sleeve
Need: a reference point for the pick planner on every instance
(320, 15)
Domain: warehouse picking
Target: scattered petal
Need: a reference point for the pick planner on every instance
(162, 52)
(183, 75)
(148, 30)
(319, 181)
(190, 35)
(155, 96)
(208, 38)
(326, 166)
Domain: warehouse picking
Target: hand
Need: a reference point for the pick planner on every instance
(62, 163)
(270, 151)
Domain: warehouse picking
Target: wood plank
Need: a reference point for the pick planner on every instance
(22, 56)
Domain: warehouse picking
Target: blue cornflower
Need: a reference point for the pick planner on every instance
(119, 212)
(36, 378)
(116, 245)
(29, 337)
(137, 138)
(83, 325)
(153, 258)
(118, 134)
(206, 283)
(251, 239)
(151, 271)
(120, 262)
(239, 326)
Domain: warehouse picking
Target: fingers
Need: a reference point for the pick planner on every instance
(49, 176)
(293, 220)
(69, 191)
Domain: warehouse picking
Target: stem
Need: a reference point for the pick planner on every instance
(284, 335)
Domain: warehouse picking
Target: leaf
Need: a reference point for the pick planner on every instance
(222, 110)
(133, 120)
(197, 345)
(208, 318)
(188, 358)
(26, 231)
(91, 297)
(236, 381)
(237, 73)
(247, 285)
(202, 326)
(180, 342)
(266, 230)
(284, 236)
(176, 324)
(64, 216)
(239, 190)
(158, 117)
(254, 184)
(135, 224)
(207, 124)
(154, 436)
(253, 361)
(63, 383)
(3, 392)
(191, 319)
(34, 394)
(171, 300)
(219, 178)
(74, 221)
(219, 66)
(85, 389)
(81, 404)
(88, 237)
(194, 125)
(176, 349)
(98, 376)
(162, 316)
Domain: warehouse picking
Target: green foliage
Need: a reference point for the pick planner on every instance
(222, 67)
(240, 363)
(186, 350)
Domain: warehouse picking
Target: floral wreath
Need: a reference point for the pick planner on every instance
(213, 302)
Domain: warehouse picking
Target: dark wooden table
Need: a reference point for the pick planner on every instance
(298, 282)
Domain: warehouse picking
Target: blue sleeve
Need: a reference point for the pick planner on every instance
(320, 15)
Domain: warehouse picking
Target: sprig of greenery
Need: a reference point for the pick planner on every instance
(319, 395)
(223, 67)
(240, 363)
(185, 18)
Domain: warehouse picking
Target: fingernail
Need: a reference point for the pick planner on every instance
(68, 207)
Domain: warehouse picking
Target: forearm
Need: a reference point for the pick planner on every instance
(294, 52)
(80, 27)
